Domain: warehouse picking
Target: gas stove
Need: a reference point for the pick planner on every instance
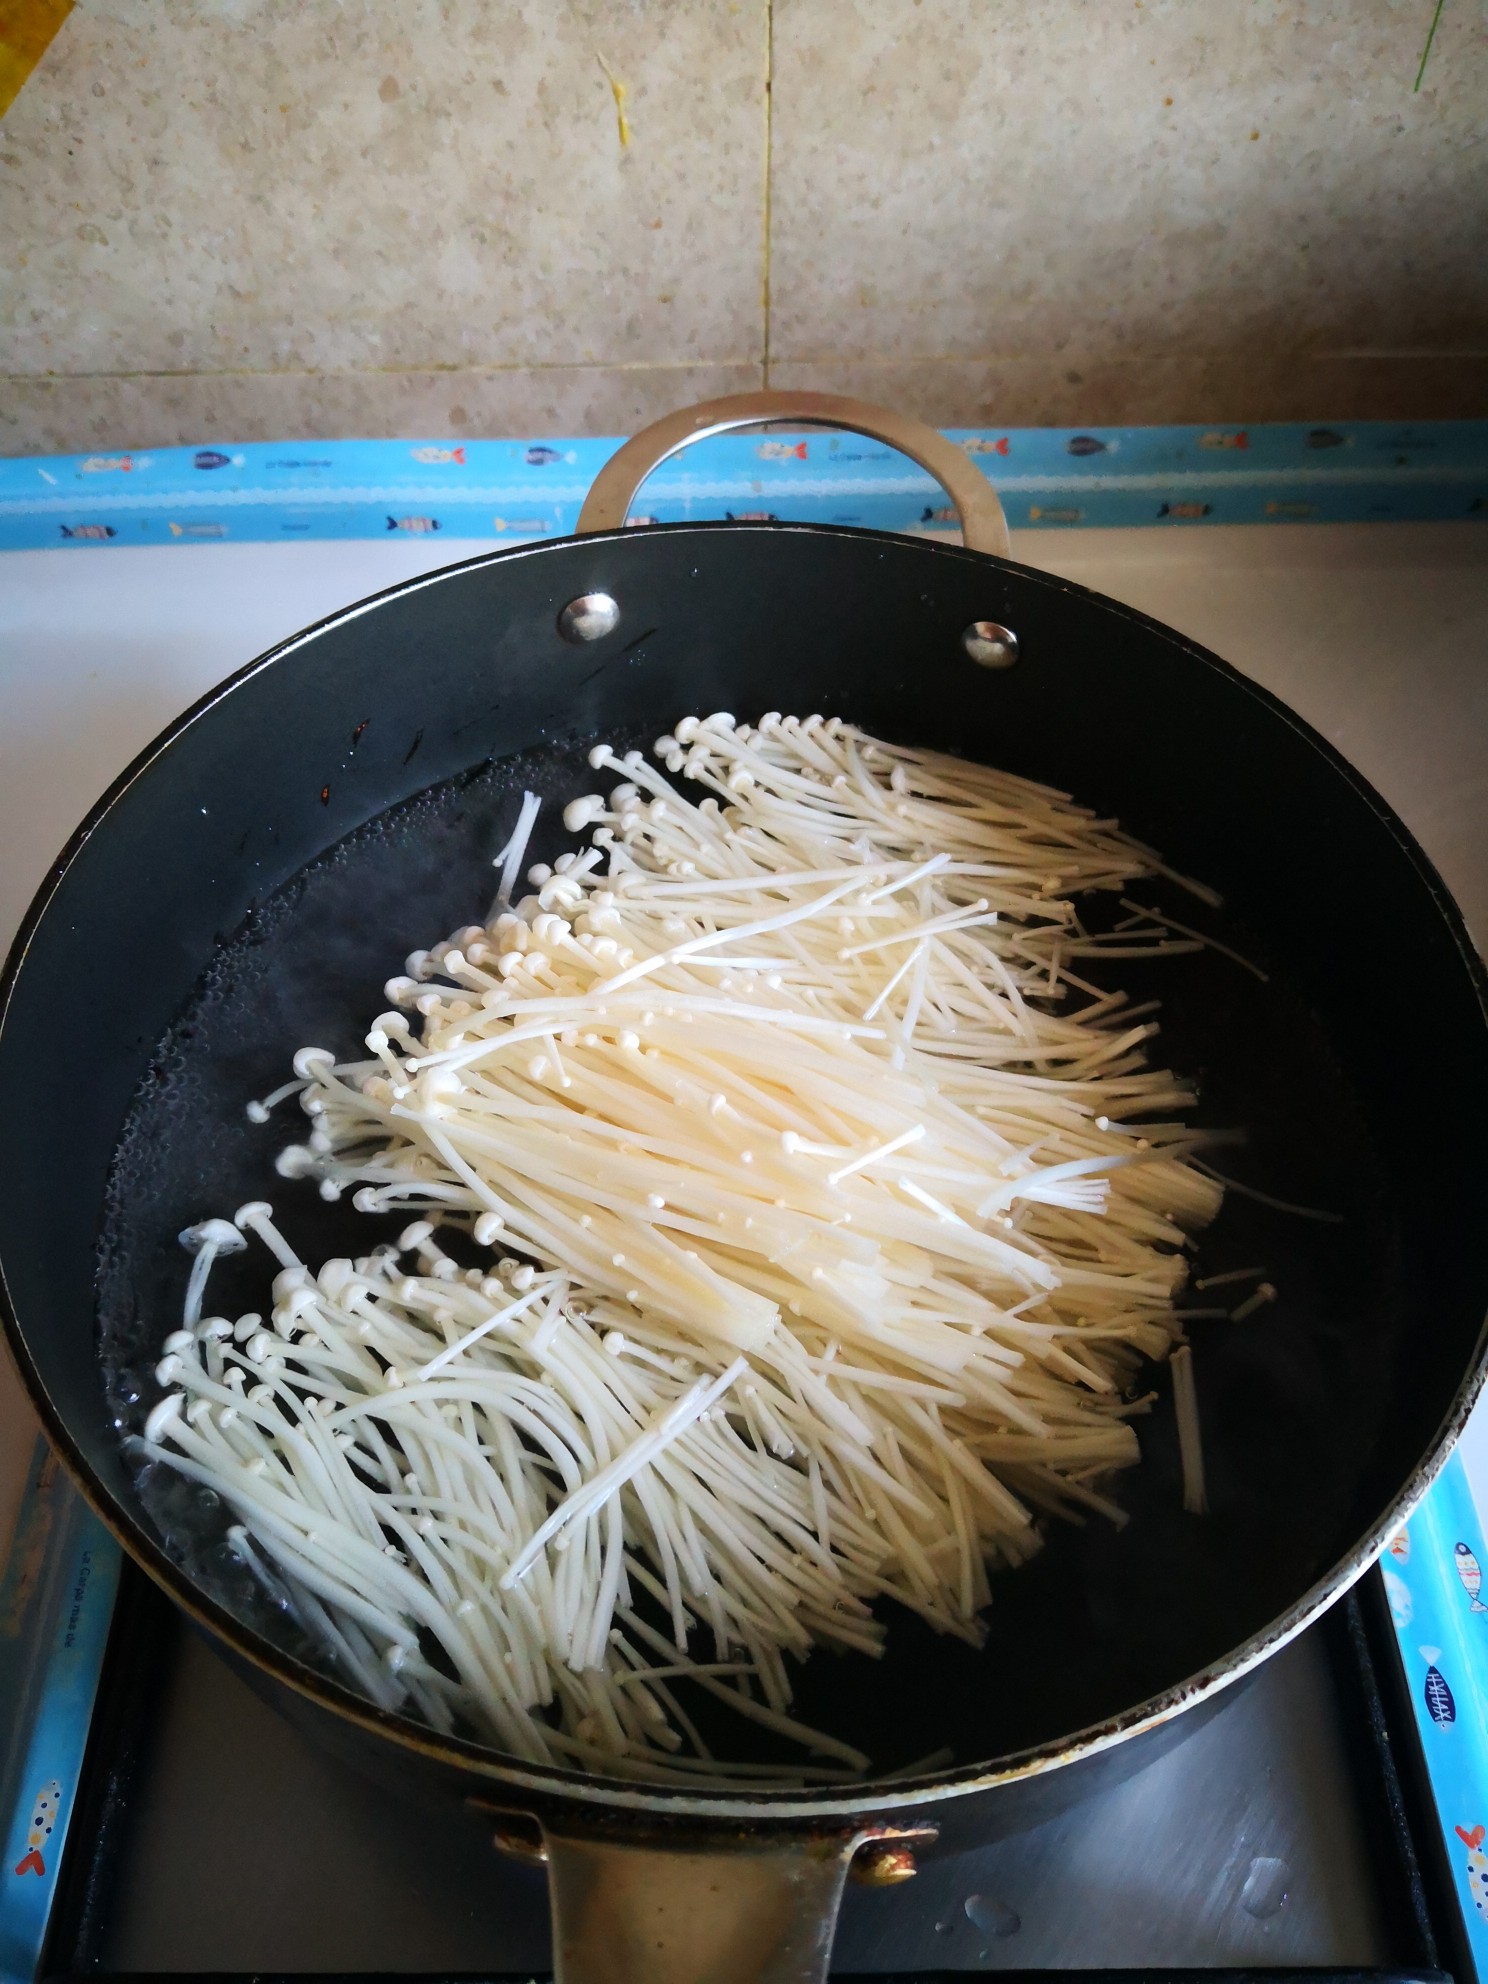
(1292, 1831)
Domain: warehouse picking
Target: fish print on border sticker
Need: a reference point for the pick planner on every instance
(1402, 1605)
(1477, 1866)
(43, 1818)
(1470, 1571)
(1440, 1703)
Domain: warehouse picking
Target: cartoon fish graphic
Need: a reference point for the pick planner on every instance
(434, 456)
(946, 514)
(88, 532)
(1185, 509)
(1086, 444)
(1440, 1705)
(1399, 1546)
(639, 523)
(1290, 510)
(1477, 1866)
(1324, 437)
(524, 526)
(751, 516)
(1402, 1606)
(214, 458)
(1037, 514)
(104, 464)
(975, 445)
(541, 456)
(781, 451)
(198, 530)
(415, 525)
(1471, 1573)
(43, 1818)
(1221, 438)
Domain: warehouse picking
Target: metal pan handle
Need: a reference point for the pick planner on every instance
(983, 526)
(640, 1913)
(637, 1903)
(733, 1908)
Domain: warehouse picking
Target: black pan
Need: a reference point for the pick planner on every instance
(198, 928)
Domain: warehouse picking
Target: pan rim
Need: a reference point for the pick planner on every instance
(557, 1785)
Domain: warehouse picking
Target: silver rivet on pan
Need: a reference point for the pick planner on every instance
(589, 617)
(990, 644)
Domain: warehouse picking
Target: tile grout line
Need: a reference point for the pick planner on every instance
(446, 372)
(769, 169)
(563, 366)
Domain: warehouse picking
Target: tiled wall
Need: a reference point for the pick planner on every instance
(250, 219)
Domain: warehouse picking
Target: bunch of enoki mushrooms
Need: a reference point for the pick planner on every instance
(790, 1224)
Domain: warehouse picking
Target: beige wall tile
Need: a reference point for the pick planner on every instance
(75, 416)
(1095, 178)
(252, 218)
(201, 185)
(1244, 386)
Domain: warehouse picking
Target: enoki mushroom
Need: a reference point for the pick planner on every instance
(791, 1221)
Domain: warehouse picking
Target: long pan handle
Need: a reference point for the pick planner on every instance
(628, 1913)
(983, 526)
(635, 1909)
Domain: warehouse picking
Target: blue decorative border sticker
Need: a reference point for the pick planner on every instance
(56, 1607)
(1434, 1572)
(1048, 479)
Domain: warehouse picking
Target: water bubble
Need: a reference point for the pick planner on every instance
(1265, 1890)
(992, 1915)
(947, 1927)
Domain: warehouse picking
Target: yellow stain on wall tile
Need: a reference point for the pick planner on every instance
(26, 30)
(620, 91)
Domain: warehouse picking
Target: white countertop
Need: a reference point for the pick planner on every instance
(1376, 633)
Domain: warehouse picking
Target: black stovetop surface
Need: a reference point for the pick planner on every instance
(1290, 1832)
